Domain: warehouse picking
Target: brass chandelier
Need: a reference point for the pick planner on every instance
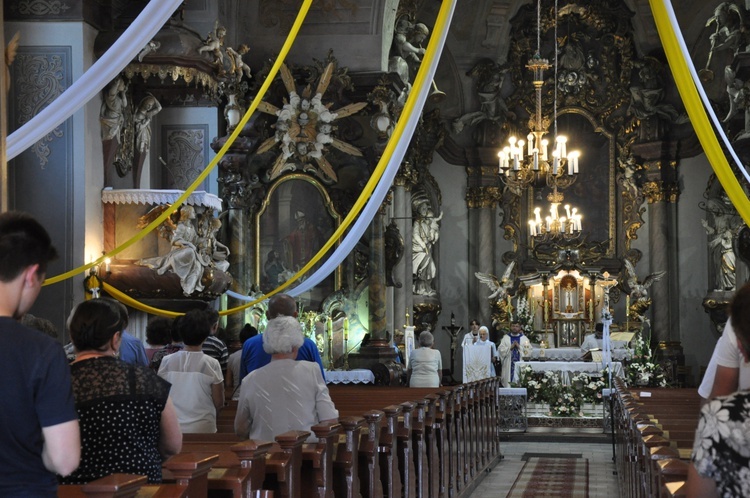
(524, 163)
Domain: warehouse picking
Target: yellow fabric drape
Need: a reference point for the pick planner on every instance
(697, 112)
(198, 181)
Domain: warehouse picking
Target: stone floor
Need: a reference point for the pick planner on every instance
(597, 448)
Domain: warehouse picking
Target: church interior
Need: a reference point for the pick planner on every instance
(534, 161)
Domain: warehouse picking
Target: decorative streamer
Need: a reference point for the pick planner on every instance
(387, 167)
(665, 22)
(390, 161)
(127, 46)
(253, 106)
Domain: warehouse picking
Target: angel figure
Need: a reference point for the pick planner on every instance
(150, 48)
(238, 65)
(185, 260)
(640, 300)
(214, 42)
(499, 289)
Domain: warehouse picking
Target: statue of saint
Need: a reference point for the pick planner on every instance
(425, 233)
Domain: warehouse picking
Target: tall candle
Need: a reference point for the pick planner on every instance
(329, 326)
(346, 328)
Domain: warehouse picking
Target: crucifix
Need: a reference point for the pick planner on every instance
(453, 330)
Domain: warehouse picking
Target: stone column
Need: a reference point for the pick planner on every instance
(481, 202)
(400, 293)
(376, 279)
(660, 195)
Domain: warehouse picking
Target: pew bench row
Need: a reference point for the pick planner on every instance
(654, 439)
(389, 442)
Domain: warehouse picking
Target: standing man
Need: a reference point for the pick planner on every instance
(512, 346)
(253, 354)
(39, 433)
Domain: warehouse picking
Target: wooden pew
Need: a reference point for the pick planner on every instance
(121, 486)
(654, 438)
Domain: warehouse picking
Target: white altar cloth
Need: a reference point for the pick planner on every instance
(573, 354)
(568, 368)
(358, 376)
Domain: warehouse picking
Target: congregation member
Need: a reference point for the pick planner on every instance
(131, 348)
(286, 394)
(253, 354)
(39, 432)
(215, 347)
(158, 335)
(512, 346)
(472, 336)
(721, 454)
(196, 378)
(172, 347)
(128, 421)
(40, 324)
(484, 340)
(425, 363)
(727, 371)
(233, 379)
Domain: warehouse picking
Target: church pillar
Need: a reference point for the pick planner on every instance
(481, 202)
(239, 220)
(662, 195)
(402, 270)
(376, 279)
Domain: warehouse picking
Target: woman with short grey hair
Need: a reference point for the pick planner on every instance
(286, 394)
(425, 363)
(286, 334)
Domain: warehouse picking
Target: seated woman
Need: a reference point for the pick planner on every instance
(286, 394)
(128, 421)
(721, 453)
(197, 381)
(425, 363)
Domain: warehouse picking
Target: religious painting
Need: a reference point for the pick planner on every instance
(295, 221)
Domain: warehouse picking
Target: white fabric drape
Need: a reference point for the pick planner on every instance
(367, 214)
(127, 46)
(699, 86)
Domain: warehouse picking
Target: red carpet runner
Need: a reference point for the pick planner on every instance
(552, 477)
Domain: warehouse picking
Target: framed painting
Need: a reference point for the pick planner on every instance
(294, 222)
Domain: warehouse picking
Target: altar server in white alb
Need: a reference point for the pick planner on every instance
(512, 346)
(484, 340)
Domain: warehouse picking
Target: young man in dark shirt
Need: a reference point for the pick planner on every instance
(39, 433)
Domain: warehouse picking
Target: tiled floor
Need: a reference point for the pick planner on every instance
(602, 480)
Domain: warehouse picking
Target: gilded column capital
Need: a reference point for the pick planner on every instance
(483, 197)
(407, 176)
(659, 191)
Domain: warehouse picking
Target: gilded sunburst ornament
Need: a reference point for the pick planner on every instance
(305, 128)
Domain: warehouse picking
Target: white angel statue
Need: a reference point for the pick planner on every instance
(498, 288)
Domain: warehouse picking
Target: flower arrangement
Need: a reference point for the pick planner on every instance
(589, 387)
(641, 369)
(525, 317)
(565, 404)
(563, 400)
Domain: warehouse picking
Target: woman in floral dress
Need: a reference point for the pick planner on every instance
(721, 451)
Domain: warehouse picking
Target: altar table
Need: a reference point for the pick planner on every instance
(357, 376)
(568, 368)
(574, 354)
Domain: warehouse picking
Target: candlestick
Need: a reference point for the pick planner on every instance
(346, 328)
(627, 312)
(329, 332)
